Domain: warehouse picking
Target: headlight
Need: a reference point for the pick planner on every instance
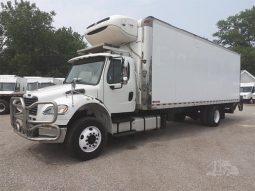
(62, 109)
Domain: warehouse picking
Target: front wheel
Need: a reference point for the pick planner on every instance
(86, 138)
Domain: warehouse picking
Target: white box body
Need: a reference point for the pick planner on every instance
(187, 68)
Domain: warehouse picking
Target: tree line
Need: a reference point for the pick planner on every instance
(30, 45)
(238, 34)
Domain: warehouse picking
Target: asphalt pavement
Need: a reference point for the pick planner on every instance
(183, 156)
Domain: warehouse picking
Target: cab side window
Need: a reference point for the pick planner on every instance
(114, 74)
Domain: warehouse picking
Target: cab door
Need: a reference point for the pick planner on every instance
(119, 95)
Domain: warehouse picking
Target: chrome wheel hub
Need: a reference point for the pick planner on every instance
(90, 139)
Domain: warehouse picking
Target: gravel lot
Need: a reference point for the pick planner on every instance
(183, 156)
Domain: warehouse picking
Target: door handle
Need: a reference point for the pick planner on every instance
(130, 96)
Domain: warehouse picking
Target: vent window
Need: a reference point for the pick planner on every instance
(106, 19)
(97, 30)
(103, 20)
(90, 25)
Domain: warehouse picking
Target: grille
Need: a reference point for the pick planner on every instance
(30, 101)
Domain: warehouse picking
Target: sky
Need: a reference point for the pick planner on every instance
(196, 16)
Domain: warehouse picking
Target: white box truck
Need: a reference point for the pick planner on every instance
(136, 75)
(247, 92)
(10, 86)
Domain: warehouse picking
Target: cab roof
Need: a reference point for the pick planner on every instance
(92, 55)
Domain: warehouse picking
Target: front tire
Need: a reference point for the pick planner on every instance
(86, 138)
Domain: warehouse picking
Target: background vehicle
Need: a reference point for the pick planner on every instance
(13, 86)
(36, 82)
(247, 91)
(10, 85)
(137, 75)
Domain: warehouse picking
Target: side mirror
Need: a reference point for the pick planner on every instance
(125, 72)
(73, 84)
(74, 81)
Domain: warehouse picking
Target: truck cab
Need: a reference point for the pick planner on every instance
(98, 85)
(105, 76)
(247, 91)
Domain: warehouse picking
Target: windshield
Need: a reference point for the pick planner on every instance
(7, 86)
(47, 84)
(246, 89)
(36, 85)
(86, 71)
(32, 86)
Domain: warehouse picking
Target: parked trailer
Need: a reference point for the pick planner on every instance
(10, 86)
(135, 77)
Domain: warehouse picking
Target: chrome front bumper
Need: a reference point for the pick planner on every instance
(31, 129)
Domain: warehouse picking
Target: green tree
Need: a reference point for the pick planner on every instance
(238, 33)
(31, 45)
(2, 38)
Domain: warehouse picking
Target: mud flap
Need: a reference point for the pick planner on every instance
(240, 106)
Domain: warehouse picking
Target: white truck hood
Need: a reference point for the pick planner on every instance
(245, 93)
(7, 92)
(53, 92)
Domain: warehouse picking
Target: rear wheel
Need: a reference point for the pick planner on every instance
(4, 107)
(214, 116)
(86, 138)
(211, 116)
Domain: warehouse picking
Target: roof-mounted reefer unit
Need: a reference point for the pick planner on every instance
(115, 30)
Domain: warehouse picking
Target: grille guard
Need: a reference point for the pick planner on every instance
(23, 126)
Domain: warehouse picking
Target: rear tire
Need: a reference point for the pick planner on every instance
(4, 107)
(214, 116)
(86, 138)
